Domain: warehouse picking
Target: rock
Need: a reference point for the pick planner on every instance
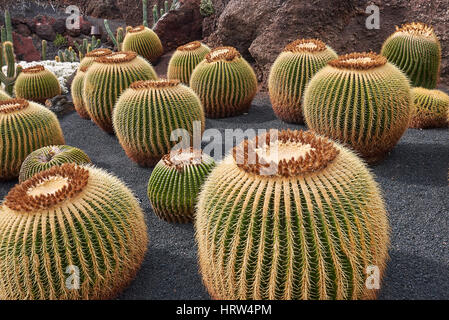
(60, 105)
(24, 48)
(85, 26)
(59, 26)
(45, 31)
(23, 30)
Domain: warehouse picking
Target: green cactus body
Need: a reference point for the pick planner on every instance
(4, 95)
(175, 183)
(303, 221)
(430, 108)
(50, 156)
(361, 100)
(148, 112)
(225, 83)
(291, 72)
(68, 221)
(24, 127)
(144, 42)
(77, 93)
(415, 49)
(185, 59)
(90, 57)
(105, 81)
(37, 84)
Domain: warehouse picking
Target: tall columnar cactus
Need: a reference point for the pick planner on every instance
(87, 238)
(12, 70)
(46, 157)
(291, 72)
(44, 50)
(304, 220)
(85, 47)
(105, 81)
(77, 93)
(185, 59)
(225, 83)
(430, 108)
(24, 127)
(361, 100)
(90, 57)
(118, 38)
(144, 42)
(37, 84)
(149, 111)
(415, 49)
(4, 95)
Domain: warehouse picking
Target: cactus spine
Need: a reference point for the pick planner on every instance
(107, 78)
(291, 72)
(144, 42)
(4, 95)
(37, 84)
(415, 49)
(77, 93)
(361, 100)
(149, 111)
(82, 217)
(90, 57)
(305, 229)
(225, 83)
(430, 108)
(185, 59)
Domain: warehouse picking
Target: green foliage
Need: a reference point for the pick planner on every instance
(206, 8)
(60, 41)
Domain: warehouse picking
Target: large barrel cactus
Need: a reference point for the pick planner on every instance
(225, 83)
(175, 183)
(185, 59)
(291, 72)
(77, 93)
(148, 112)
(144, 42)
(24, 127)
(430, 108)
(37, 84)
(4, 95)
(105, 81)
(361, 100)
(415, 49)
(71, 232)
(291, 215)
(90, 57)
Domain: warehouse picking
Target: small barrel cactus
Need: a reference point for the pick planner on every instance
(77, 93)
(37, 84)
(361, 100)
(44, 158)
(24, 127)
(175, 183)
(144, 42)
(291, 72)
(430, 108)
(105, 81)
(79, 234)
(90, 57)
(148, 112)
(415, 49)
(185, 59)
(291, 215)
(225, 83)
(4, 95)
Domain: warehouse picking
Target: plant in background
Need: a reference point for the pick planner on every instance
(13, 71)
(60, 41)
(24, 127)
(118, 39)
(37, 84)
(77, 93)
(225, 83)
(85, 47)
(175, 183)
(415, 49)
(361, 100)
(44, 50)
(148, 112)
(430, 108)
(6, 30)
(68, 55)
(90, 57)
(206, 8)
(291, 72)
(307, 230)
(144, 42)
(157, 14)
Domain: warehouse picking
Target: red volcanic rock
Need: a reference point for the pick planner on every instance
(24, 48)
(45, 31)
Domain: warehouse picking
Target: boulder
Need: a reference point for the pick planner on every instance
(24, 48)
(45, 31)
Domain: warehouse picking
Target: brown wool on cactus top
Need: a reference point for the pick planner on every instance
(11, 105)
(102, 52)
(305, 45)
(222, 54)
(117, 57)
(84, 69)
(34, 69)
(136, 29)
(359, 61)
(416, 29)
(190, 46)
(154, 84)
(178, 159)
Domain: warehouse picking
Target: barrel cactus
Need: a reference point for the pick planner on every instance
(430, 108)
(24, 127)
(225, 83)
(361, 100)
(77, 93)
(291, 72)
(37, 84)
(415, 49)
(90, 57)
(185, 59)
(105, 81)
(79, 233)
(148, 112)
(144, 42)
(4, 95)
(175, 183)
(303, 220)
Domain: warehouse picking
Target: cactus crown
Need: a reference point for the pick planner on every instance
(305, 45)
(12, 105)
(154, 84)
(191, 46)
(47, 157)
(84, 68)
(34, 69)
(182, 158)
(102, 52)
(117, 57)
(135, 29)
(417, 29)
(359, 61)
(223, 54)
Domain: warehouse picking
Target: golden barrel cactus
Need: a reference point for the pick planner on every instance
(36, 84)
(4, 95)
(77, 93)
(430, 108)
(90, 57)
(144, 42)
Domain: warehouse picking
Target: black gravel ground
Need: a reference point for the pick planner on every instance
(414, 180)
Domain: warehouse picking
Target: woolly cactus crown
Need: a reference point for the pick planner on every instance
(90, 57)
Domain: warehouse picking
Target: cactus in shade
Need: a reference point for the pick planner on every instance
(77, 93)
(290, 215)
(144, 42)
(90, 57)
(13, 71)
(24, 127)
(37, 84)
(291, 72)
(149, 111)
(81, 217)
(4, 95)
(185, 59)
(105, 81)
(361, 100)
(415, 49)
(175, 183)
(44, 158)
(430, 108)
(225, 83)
